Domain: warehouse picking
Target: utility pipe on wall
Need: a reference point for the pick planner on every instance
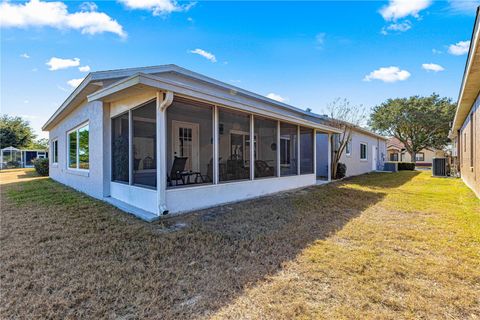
(163, 102)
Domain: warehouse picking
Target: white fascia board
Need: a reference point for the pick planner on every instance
(190, 91)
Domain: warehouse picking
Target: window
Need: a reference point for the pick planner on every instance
(306, 150)
(54, 151)
(266, 147)
(348, 148)
(234, 145)
(78, 148)
(394, 156)
(363, 151)
(288, 149)
(120, 138)
(464, 142)
(420, 156)
(189, 142)
(144, 144)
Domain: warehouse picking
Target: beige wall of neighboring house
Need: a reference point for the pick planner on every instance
(424, 157)
(465, 131)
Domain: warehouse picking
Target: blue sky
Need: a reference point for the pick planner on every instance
(306, 53)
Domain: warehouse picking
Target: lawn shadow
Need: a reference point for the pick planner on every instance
(95, 261)
(382, 180)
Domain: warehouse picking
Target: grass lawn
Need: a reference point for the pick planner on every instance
(391, 246)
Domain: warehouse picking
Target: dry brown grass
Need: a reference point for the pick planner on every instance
(379, 246)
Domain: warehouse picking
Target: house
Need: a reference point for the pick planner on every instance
(166, 140)
(465, 130)
(396, 152)
(11, 157)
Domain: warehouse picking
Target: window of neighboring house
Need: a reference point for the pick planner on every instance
(420, 156)
(55, 151)
(464, 142)
(348, 148)
(78, 148)
(394, 156)
(363, 151)
(471, 140)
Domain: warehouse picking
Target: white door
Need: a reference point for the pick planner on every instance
(374, 158)
(186, 143)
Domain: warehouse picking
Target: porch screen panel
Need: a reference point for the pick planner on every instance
(288, 149)
(120, 134)
(265, 148)
(189, 143)
(234, 145)
(144, 138)
(306, 150)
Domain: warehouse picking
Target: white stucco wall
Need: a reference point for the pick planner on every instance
(355, 166)
(91, 181)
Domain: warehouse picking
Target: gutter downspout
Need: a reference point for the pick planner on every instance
(163, 102)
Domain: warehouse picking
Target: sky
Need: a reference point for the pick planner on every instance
(305, 54)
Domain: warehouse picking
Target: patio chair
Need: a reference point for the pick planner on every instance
(178, 167)
(262, 169)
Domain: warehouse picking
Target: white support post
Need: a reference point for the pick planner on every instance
(252, 147)
(298, 150)
(315, 153)
(278, 150)
(215, 146)
(329, 150)
(130, 147)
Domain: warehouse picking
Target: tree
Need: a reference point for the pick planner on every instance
(344, 116)
(418, 122)
(15, 132)
(39, 144)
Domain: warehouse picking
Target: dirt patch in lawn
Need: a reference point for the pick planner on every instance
(334, 250)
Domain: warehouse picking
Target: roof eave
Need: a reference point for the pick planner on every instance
(183, 89)
(463, 108)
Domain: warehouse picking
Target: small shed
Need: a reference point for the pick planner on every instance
(12, 157)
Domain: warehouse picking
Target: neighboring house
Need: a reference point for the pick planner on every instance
(159, 140)
(11, 157)
(465, 131)
(396, 152)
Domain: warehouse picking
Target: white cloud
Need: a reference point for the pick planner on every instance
(397, 26)
(25, 56)
(84, 69)
(88, 6)
(157, 7)
(435, 51)
(75, 82)
(58, 63)
(459, 48)
(397, 9)
(276, 97)
(207, 55)
(36, 13)
(432, 67)
(468, 7)
(388, 74)
(320, 40)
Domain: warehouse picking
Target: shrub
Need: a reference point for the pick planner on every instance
(41, 166)
(406, 166)
(341, 170)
